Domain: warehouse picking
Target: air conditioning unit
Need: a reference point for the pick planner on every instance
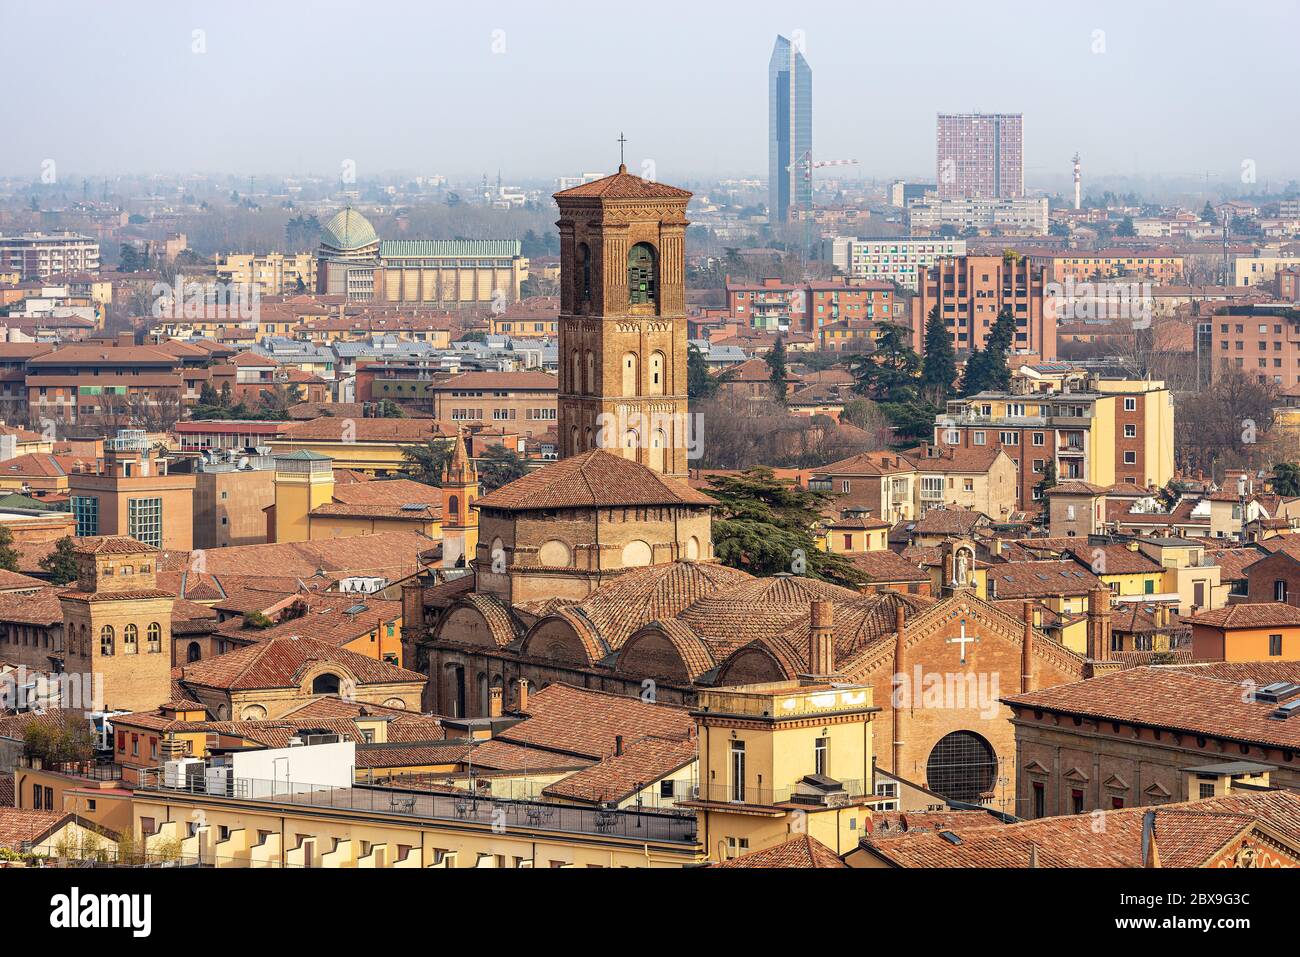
(177, 774)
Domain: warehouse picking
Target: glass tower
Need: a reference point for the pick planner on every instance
(789, 130)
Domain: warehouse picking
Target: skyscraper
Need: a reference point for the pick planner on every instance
(981, 156)
(789, 84)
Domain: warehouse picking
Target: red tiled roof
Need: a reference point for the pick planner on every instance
(592, 479)
(280, 662)
(618, 777)
(623, 185)
(582, 722)
(1261, 615)
(1190, 699)
(803, 852)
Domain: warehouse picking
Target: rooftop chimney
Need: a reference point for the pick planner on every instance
(494, 702)
(1099, 624)
(821, 639)
(522, 685)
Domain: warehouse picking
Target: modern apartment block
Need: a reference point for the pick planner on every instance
(42, 255)
(1006, 217)
(1261, 340)
(1160, 266)
(773, 305)
(970, 291)
(891, 259)
(130, 493)
(789, 90)
(273, 273)
(980, 155)
(1096, 427)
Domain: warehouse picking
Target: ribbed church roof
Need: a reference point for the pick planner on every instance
(348, 230)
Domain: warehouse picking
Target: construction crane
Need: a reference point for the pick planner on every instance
(807, 164)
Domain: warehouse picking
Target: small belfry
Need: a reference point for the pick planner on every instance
(623, 321)
(459, 518)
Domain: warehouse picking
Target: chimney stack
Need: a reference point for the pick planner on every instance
(1099, 624)
(522, 685)
(494, 702)
(1027, 651)
(821, 639)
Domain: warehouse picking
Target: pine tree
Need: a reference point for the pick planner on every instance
(61, 564)
(939, 366)
(8, 554)
(778, 376)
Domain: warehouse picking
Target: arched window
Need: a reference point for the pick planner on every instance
(453, 505)
(106, 641)
(962, 767)
(325, 684)
(576, 384)
(657, 444)
(630, 374)
(591, 373)
(583, 279)
(642, 285)
(656, 379)
(194, 652)
(130, 639)
(154, 635)
(631, 441)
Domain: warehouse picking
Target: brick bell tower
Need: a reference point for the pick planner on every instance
(623, 321)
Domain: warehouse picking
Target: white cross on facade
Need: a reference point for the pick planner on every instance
(963, 641)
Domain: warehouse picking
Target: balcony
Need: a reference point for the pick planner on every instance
(453, 806)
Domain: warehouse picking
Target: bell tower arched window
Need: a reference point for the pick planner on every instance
(642, 275)
(582, 281)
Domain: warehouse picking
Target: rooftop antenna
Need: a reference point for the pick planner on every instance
(1078, 180)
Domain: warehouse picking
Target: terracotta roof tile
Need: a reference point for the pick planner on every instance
(1190, 699)
(804, 851)
(592, 479)
(279, 663)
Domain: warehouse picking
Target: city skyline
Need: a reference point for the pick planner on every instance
(214, 112)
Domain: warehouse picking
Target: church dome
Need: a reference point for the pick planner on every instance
(348, 231)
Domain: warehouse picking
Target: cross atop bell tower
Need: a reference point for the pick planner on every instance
(623, 320)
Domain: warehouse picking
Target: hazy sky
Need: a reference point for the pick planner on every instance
(1182, 86)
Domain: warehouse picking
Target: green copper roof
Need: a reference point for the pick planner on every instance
(448, 248)
(348, 230)
(303, 455)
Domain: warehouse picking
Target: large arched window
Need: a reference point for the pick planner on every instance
(582, 281)
(130, 640)
(642, 275)
(962, 767)
(591, 373)
(576, 372)
(194, 652)
(106, 639)
(154, 634)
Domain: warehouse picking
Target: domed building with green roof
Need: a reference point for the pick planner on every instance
(347, 256)
(354, 262)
